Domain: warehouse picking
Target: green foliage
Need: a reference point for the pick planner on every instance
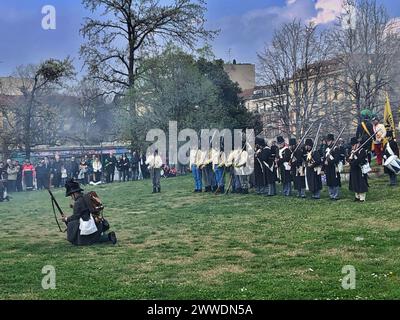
(176, 87)
(180, 245)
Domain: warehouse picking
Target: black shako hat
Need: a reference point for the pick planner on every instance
(309, 142)
(330, 137)
(292, 142)
(71, 187)
(280, 140)
(353, 141)
(260, 141)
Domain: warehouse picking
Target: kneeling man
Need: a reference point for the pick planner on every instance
(82, 228)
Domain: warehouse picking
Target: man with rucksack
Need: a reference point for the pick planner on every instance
(84, 227)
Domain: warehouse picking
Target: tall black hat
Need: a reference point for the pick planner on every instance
(260, 141)
(309, 142)
(330, 137)
(353, 141)
(71, 187)
(280, 140)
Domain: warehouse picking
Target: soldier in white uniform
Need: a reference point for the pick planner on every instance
(154, 164)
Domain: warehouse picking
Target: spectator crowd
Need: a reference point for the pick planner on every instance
(90, 169)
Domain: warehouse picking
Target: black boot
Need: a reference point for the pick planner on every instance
(245, 191)
(154, 190)
(112, 237)
(159, 189)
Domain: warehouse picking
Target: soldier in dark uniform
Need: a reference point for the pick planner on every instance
(298, 168)
(269, 174)
(284, 167)
(364, 131)
(81, 211)
(391, 149)
(259, 167)
(358, 181)
(313, 170)
(110, 165)
(331, 168)
(274, 167)
(3, 180)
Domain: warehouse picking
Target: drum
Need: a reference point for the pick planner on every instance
(393, 164)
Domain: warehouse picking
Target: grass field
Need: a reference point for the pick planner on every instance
(180, 245)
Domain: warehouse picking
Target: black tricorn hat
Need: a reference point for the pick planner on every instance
(353, 141)
(292, 142)
(71, 187)
(330, 137)
(280, 140)
(309, 142)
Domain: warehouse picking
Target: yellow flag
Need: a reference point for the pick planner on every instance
(388, 117)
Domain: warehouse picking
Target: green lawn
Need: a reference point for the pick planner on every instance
(180, 245)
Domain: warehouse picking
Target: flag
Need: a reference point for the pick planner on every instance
(388, 117)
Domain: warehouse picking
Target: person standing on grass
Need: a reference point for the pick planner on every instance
(331, 167)
(391, 149)
(19, 177)
(218, 163)
(377, 146)
(97, 170)
(313, 170)
(56, 169)
(194, 158)
(259, 167)
(135, 165)
(155, 163)
(12, 172)
(81, 217)
(284, 156)
(240, 168)
(298, 163)
(358, 181)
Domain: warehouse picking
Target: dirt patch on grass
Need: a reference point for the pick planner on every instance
(305, 274)
(345, 253)
(214, 275)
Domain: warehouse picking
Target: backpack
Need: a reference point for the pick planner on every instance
(94, 203)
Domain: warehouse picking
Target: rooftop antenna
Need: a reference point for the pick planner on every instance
(229, 54)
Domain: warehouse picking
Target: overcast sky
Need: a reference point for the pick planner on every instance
(246, 25)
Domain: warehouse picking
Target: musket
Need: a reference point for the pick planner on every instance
(55, 204)
(368, 140)
(316, 138)
(302, 140)
(310, 154)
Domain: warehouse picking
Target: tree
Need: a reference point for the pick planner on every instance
(293, 66)
(198, 94)
(366, 50)
(34, 119)
(130, 31)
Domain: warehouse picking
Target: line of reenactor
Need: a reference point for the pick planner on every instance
(297, 166)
